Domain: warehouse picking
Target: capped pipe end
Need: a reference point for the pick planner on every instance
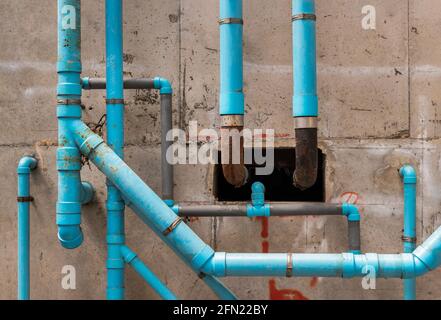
(408, 174)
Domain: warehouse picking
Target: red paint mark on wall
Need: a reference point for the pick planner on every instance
(265, 227)
(265, 246)
(284, 294)
(349, 197)
(314, 281)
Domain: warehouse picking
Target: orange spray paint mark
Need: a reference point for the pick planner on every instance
(349, 197)
(284, 294)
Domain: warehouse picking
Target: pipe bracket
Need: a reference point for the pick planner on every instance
(25, 199)
(230, 21)
(69, 102)
(172, 227)
(304, 16)
(409, 239)
(289, 266)
(115, 101)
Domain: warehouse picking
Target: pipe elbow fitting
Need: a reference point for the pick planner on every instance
(305, 173)
(27, 164)
(408, 174)
(351, 212)
(70, 237)
(87, 192)
(163, 85)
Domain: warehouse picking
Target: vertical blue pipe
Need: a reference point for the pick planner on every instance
(25, 166)
(305, 101)
(69, 109)
(409, 177)
(115, 137)
(231, 58)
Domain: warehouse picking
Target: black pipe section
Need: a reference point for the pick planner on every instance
(166, 123)
(305, 174)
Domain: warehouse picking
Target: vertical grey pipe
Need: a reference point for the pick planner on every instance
(354, 236)
(166, 126)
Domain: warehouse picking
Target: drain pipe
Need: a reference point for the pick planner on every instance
(166, 93)
(409, 178)
(152, 280)
(258, 208)
(25, 166)
(115, 138)
(305, 101)
(152, 210)
(72, 193)
(231, 100)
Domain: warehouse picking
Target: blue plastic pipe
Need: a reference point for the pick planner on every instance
(231, 58)
(409, 178)
(305, 101)
(152, 280)
(25, 166)
(115, 138)
(69, 109)
(202, 257)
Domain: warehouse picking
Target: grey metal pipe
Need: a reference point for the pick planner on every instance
(354, 236)
(166, 120)
(276, 210)
(134, 84)
(166, 126)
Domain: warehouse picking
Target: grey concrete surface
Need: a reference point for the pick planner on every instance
(379, 109)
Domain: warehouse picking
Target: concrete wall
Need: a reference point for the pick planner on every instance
(380, 92)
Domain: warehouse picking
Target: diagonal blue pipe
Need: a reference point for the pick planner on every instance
(409, 178)
(152, 280)
(25, 166)
(201, 257)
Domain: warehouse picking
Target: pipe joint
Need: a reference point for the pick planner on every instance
(68, 159)
(202, 258)
(27, 164)
(163, 85)
(127, 254)
(351, 212)
(258, 208)
(408, 174)
(87, 192)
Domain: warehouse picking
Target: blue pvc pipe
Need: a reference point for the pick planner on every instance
(305, 101)
(409, 177)
(152, 280)
(201, 257)
(231, 99)
(25, 166)
(115, 138)
(69, 109)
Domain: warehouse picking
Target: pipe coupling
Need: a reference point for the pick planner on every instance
(305, 122)
(232, 121)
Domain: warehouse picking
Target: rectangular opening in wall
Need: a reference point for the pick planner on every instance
(278, 185)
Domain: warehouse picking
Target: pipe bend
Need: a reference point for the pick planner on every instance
(70, 237)
(408, 174)
(27, 164)
(87, 192)
(305, 174)
(163, 85)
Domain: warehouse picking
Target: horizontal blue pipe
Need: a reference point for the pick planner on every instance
(305, 101)
(232, 101)
(25, 166)
(201, 257)
(152, 280)
(409, 178)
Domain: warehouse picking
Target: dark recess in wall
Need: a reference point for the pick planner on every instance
(278, 185)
